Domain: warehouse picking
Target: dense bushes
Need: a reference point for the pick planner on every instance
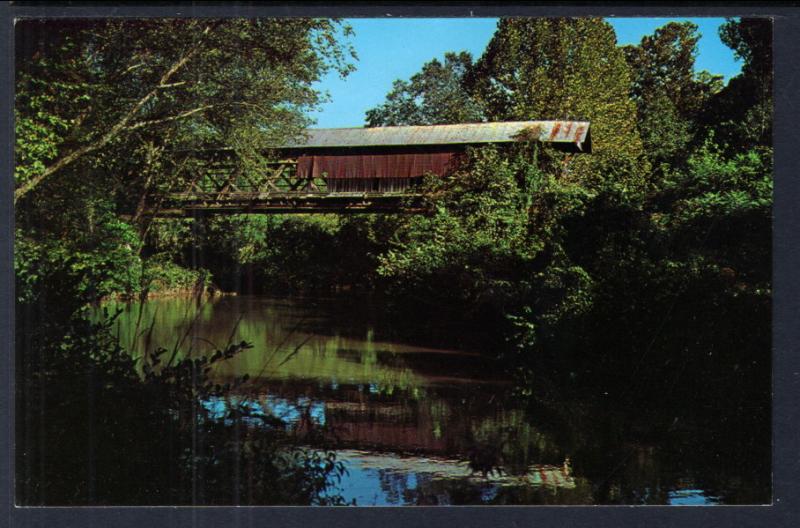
(290, 253)
(103, 260)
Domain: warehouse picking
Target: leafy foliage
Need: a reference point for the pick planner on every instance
(434, 96)
(740, 115)
(113, 85)
(103, 261)
(491, 245)
(477, 224)
(581, 270)
(669, 94)
(106, 109)
(285, 253)
(564, 68)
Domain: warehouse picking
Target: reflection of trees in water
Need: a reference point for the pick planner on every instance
(426, 494)
(611, 462)
(455, 423)
(632, 454)
(394, 485)
(377, 397)
(433, 491)
(446, 422)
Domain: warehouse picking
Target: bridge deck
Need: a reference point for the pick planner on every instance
(288, 202)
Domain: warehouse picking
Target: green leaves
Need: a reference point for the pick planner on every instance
(477, 211)
(669, 95)
(110, 85)
(102, 262)
(106, 110)
(740, 115)
(714, 186)
(434, 96)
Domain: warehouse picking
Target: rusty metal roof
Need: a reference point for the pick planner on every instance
(572, 132)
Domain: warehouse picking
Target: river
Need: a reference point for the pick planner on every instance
(416, 423)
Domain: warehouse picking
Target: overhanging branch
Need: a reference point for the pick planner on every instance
(121, 126)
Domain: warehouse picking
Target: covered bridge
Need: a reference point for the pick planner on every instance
(355, 169)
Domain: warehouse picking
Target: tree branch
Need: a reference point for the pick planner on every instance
(119, 127)
(182, 115)
(172, 85)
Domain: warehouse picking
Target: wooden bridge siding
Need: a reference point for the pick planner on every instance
(372, 185)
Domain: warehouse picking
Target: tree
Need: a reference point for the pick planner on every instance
(740, 116)
(85, 87)
(668, 94)
(465, 254)
(495, 236)
(565, 68)
(106, 111)
(434, 96)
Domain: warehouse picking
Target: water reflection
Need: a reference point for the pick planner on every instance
(292, 341)
(413, 424)
(691, 497)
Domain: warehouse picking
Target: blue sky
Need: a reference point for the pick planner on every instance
(390, 49)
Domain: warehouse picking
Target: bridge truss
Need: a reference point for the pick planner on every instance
(222, 185)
